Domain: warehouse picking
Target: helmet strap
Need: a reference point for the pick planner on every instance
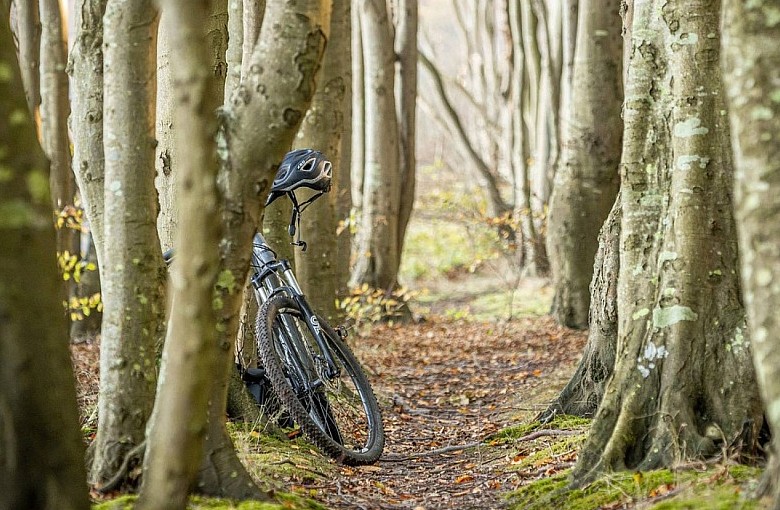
(295, 219)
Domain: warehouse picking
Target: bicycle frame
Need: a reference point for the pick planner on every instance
(267, 282)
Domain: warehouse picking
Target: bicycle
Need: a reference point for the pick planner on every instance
(312, 372)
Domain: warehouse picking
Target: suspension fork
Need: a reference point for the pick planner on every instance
(312, 322)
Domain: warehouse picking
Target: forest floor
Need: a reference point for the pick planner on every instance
(458, 397)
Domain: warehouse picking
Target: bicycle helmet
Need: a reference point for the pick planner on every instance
(301, 168)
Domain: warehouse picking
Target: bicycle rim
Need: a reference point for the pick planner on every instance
(338, 413)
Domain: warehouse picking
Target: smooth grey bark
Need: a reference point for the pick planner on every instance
(322, 129)
(176, 431)
(55, 109)
(583, 393)
(26, 26)
(406, 104)
(252, 19)
(377, 244)
(216, 26)
(164, 157)
(523, 90)
(133, 271)
(680, 314)
(587, 179)
(357, 147)
(234, 52)
(343, 178)
(257, 128)
(86, 121)
(54, 112)
(751, 61)
(41, 453)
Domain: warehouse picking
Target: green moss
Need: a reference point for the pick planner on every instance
(560, 422)
(226, 281)
(717, 488)
(120, 503)
(279, 463)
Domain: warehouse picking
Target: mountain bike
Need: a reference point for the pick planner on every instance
(307, 366)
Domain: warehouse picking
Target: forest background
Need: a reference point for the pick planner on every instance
(626, 151)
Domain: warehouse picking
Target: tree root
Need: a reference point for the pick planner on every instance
(121, 475)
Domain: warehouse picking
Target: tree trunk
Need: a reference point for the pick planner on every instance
(584, 392)
(165, 157)
(406, 104)
(322, 128)
(41, 453)
(377, 245)
(521, 89)
(252, 18)
(55, 109)
(680, 315)
(86, 120)
(587, 180)
(133, 271)
(358, 146)
(178, 425)
(26, 25)
(751, 59)
(234, 52)
(258, 127)
(343, 178)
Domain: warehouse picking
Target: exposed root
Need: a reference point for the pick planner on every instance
(121, 475)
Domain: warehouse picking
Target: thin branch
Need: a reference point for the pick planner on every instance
(459, 133)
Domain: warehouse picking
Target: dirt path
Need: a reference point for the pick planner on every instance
(443, 386)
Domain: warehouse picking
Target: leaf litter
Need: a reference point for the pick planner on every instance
(446, 387)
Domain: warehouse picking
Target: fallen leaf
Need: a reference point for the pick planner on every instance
(464, 479)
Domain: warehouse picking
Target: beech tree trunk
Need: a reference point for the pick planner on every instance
(322, 129)
(751, 60)
(216, 25)
(176, 432)
(585, 390)
(587, 181)
(377, 246)
(26, 25)
(41, 453)
(257, 129)
(680, 314)
(132, 267)
(86, 120)
(55, 109)
(406, 106)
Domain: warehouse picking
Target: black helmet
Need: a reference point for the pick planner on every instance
(301, 168)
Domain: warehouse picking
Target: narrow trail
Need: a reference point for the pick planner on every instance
(445, 387)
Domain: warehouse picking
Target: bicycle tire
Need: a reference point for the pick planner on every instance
(339, 415)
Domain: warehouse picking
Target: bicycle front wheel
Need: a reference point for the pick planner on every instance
(337, 411)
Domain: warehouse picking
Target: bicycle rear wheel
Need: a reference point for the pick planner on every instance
(337, 413)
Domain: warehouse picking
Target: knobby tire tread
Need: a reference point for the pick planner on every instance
(275, 371)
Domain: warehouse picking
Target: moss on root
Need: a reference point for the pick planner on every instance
(717, 488)
(559, 422)
(274, 464)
